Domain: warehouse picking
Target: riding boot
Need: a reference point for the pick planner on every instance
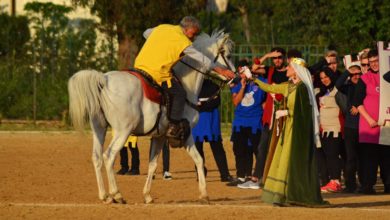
(173, 130)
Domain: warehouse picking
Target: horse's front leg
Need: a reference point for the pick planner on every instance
(155, 149)
(191, 149)
(109, 159)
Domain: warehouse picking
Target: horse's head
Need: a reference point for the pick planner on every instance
(217, 48)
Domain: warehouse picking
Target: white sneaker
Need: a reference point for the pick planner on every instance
(249, 185)
(167, 175)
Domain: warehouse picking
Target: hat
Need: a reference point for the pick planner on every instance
(354, 64)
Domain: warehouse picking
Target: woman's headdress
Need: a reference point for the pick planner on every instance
(303, 73)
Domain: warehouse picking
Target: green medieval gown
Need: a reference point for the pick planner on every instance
(293, 177)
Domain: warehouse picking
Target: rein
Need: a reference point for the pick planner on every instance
(222, 82)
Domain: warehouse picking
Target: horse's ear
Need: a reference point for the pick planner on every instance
(225, 38)
(222, 41)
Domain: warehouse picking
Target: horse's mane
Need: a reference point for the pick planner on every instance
(209, 45)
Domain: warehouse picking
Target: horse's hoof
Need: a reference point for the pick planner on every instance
(148, 200)
(120, 201)
(108, 200)
(204, 200)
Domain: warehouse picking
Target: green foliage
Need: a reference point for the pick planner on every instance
(14, 34)
(58, 46)
(57, 49)
(132, 18)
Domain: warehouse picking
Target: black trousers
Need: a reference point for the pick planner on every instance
(370, 157)
(177, 98)
(351, 143)
(165, 156)
(135, 161)
(243, 153)
(328, 156)
(219, 156)
(134, 157)
(262, 152)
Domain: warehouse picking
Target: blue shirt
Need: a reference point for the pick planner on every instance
(249, 111)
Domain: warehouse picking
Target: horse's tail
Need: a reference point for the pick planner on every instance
(85, 97)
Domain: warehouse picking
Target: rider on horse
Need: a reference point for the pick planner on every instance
(165, 45)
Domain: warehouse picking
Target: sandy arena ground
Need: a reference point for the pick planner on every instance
(50, 176)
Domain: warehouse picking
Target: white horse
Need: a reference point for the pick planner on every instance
(116, 99)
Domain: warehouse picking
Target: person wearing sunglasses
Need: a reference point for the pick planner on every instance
(364, 60)
(346, 85)
(372, 154)
(275, 74)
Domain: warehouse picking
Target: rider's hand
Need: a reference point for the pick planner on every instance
(224, 72)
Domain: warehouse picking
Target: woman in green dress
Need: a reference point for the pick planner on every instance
(293, 176)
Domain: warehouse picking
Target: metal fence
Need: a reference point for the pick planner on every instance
(311, 53)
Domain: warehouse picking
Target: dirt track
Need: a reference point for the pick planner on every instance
(50, 176)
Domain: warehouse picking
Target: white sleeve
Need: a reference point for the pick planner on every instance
(147, 33)
(198, 56)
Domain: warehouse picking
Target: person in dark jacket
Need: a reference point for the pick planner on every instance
(208, 128)
(330, 61)
(346, 84)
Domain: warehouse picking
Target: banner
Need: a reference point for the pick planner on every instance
(351, 61)
(384, 103)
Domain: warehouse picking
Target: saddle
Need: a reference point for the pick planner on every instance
(156, 94)
(151, 89)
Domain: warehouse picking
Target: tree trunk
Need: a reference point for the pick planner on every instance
(246, 26)
(127, 51)
(245, 23)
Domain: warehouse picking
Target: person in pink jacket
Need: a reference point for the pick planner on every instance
(372, 154)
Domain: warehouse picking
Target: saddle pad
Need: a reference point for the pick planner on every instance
(150, 92)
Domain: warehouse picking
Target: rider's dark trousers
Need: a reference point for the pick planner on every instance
(177, 98)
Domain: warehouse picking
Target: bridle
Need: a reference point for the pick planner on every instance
(222, 83)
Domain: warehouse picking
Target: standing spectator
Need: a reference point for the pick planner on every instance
(275, 74)
(372, 154)
(364, 61)
(130, 144)
(331, 139)
(346, 85)
(166, 157)
(246, 131)
(329, 60)
(293, 177)
(208, 128)
(293, 53)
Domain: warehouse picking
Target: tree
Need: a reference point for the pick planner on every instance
(126, 20)
(14, 35)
